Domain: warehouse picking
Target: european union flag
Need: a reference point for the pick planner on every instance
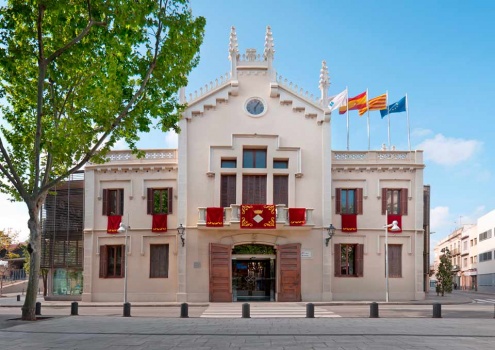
(399, 106)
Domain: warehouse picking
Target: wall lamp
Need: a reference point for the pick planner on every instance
(331, 231)
(182, 230)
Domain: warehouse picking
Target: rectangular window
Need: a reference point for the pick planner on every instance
(281, 189)
(159, 200)
(280, 164)
(394, 260)
(254, 189)
(464, 245)
(348, 260)
(464, 262)
(227, 190)
(485, 235)
(349, 201)
(254, 158)
(158, 260)
(112, 261)
(486, 256)
(229, 163)
(113, 202)
(394, 201)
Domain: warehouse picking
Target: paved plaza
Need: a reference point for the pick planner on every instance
(161, 328)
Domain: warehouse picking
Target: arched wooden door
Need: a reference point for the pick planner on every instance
(289, 272)
(220, 273)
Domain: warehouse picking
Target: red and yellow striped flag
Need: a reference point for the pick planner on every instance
(355, 103)
(375, 104)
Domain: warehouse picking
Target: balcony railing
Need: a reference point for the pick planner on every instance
(231, 215)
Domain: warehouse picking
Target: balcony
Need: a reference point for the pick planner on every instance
(231, 215)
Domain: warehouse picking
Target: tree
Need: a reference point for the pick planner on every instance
(78, 75)
(7, 248)
(444, 273)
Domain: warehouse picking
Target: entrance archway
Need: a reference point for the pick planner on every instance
(253, 272)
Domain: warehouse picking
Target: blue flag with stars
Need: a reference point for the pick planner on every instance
(397, 107)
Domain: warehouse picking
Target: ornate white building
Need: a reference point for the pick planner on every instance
(256, 185)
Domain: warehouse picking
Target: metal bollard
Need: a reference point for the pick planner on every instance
(18, 297)
(437, 310)
(74, 307)
(184, 310)
(127, 309)
(374, 310)
(37, 310)
(310, 310)
(246, 311)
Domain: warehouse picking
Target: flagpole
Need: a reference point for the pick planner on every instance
(347, 118)
(388, 115)
(368, 106)
(408, 129)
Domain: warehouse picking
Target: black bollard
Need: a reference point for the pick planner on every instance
(245, 311)
(127, 309)
(184, 310)
(310, 310)
(18, 297)
(37, 310)
(437, 310)
(74, 307)
(374, 310)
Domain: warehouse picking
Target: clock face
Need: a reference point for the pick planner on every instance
(255, 106)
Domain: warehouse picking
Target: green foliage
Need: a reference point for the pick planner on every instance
(444, 273)
(95, 72)
(253, 249)
(75, 77)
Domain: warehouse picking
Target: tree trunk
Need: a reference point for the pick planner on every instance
(28, 309)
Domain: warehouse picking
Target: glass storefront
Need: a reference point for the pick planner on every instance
(67, 282)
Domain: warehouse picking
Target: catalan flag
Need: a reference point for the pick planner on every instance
(355, 103)
(375, 104)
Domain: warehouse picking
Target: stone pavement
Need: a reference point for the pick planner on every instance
(117, 332)
(80, 332)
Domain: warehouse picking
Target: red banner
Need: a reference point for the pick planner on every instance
(349, 222)
(159, 223)
(113, 223)
(297, 216)
(258, 216)
(214, 217)
(390, 220)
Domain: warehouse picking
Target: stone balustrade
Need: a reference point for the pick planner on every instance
(232, 215)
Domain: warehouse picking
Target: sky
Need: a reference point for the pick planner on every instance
(436, 52)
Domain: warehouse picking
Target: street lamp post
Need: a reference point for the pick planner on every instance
(393, 227)
(127, 306)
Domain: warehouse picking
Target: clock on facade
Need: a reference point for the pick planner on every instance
(255, 107)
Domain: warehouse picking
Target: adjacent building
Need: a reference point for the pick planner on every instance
(473, 252)
(266, 210)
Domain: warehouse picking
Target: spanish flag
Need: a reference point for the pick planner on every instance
(355, 103)
(375, 104)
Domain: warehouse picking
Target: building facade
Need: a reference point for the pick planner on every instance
(473, 254)
(257, 189)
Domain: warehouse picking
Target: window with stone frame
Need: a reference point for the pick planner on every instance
(348, 260)
(112, 261)
(349, 201)
(113, 202)
(159, 200)
(394, 200)
(159, 260)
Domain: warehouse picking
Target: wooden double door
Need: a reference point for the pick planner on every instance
(288, 272)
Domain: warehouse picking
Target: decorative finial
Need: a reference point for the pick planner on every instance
(324, 83)
(269, 51)
(233, 47)
(324, 78)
